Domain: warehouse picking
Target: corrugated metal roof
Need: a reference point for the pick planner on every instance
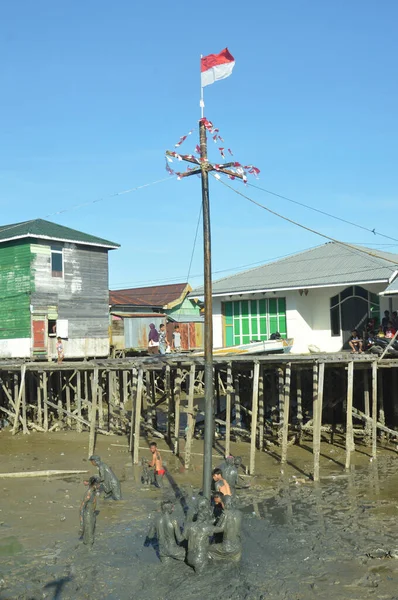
(186, 318)
(133, 315)
(157, 296)
(39, 228)
(326, 265)
(392, 288)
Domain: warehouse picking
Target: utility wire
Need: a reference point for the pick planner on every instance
(76, 206)
(354, 249)
(322, 212)
(192, 253)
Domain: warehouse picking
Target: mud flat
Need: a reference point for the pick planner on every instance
(334, 540)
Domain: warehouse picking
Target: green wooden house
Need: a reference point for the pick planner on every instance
(53, 282)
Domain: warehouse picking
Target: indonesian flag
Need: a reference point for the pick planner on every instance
(216, 66)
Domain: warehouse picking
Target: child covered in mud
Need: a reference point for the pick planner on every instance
(157, 465)
(88, 511)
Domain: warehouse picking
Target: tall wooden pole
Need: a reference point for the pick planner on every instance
(208, 342)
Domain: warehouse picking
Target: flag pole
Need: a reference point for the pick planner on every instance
(202, 102)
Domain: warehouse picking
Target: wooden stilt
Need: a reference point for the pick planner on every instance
(93, 416)
(380, 386)
(256, 373)
(218, 396)
(366, 402)
(67, 398)
(261, 409)
(286, 407)
(394, 395)
(23, 391)
(111, 387)
(228, 410)
(45, 398)
(86, 390)
(299, 398)
(317, 383)
(78, 400)
(100, 394)
(191, 418)
(177, 401)
(59, 396)
(133, 395)
(281, 401)
(125, 392)
(153, 400)
(238, 417)
(349, 433)
(39, 403)
(169, 403)
(374, 409)
(18, 397)
(138, 416)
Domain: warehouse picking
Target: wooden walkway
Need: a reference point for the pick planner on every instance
(261, 399)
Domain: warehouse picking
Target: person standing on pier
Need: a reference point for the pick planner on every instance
(153, 340)
(60, 351)
(177, 339)
(163, 343)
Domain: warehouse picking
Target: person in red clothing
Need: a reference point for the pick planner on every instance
(157, 464)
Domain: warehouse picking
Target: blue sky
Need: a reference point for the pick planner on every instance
(92, 93)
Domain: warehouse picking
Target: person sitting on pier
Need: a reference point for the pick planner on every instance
(110, 484)
(157, 465)
(390, 330)
(220, 484)
(385, 319)
(355, 342)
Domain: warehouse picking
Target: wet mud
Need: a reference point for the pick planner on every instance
(335, 540)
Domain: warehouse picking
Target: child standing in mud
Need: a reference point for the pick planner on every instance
(87, 511)
(220, 484)
(157, 464)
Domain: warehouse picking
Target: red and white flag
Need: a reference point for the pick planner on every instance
(216, 66)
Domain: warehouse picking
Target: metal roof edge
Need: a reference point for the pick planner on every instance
(300, 287)
(185, 292)
(57, 239)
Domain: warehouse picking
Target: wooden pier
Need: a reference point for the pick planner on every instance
(266, 401)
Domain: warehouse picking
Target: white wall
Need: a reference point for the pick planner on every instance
(80, 348)
(18, 348)
(308, 317)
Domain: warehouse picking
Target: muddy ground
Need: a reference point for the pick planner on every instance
(300, 540)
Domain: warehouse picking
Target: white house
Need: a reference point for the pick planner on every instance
(316, 297)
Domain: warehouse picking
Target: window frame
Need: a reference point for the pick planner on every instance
(246, 325)
(370, 298)
(57, 250)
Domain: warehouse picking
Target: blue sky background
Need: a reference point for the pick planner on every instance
(92, 93)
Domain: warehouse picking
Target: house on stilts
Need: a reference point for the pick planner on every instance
(315, 297)
(53, 282)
